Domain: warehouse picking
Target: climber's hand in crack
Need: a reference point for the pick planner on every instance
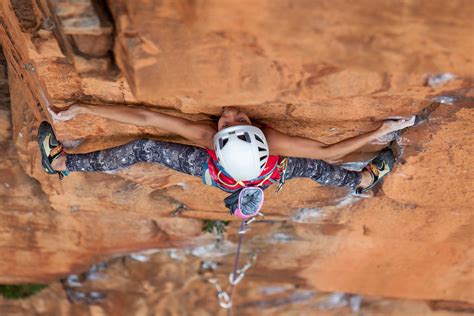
(394, 125)
(69, 114)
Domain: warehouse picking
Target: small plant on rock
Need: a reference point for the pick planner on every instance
(214, 226)
(19, 291)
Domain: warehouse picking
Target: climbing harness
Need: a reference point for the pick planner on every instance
(246, 201)
(215, 174)
(236, 276)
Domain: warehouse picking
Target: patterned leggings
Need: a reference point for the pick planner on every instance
(191, 160)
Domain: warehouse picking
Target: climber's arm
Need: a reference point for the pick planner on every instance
(200, 133)
(296, 146)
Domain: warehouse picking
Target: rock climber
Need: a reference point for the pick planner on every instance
(236, 155)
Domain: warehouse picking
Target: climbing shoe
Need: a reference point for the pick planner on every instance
(379, 167)
(51, 149)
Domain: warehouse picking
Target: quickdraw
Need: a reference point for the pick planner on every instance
(234, 280)
(222, 296)
(235, 277)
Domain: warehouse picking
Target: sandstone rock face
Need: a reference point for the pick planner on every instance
(253, 52)
(167, 283)
(324, 70)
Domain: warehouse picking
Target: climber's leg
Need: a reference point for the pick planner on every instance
(322, 172)
(327, 174)
(182, 158)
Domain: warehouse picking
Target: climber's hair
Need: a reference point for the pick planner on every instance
(214, 118)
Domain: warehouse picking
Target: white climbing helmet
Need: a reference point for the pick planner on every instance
(242, 151)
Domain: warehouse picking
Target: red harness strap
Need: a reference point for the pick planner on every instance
(270, 174)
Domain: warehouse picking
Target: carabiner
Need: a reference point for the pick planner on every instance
(241, 232)
(224, 300)
(239, 278)
(246, 267)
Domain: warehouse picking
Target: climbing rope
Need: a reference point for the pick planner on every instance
(236, 276)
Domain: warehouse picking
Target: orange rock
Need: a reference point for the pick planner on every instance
(322, 71)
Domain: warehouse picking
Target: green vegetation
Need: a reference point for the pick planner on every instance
(216, 227)
(19, 291)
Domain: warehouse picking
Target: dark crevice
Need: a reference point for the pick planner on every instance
(106, 20)
(47, 11)
(102, 9)
(441, 110)
(452, 306)
(96, 49)
(26, 14)
(4, 90)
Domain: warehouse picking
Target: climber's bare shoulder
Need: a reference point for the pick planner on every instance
(287, 145)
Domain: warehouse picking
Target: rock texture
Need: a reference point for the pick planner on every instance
(326, 70)
(248, 53)
(167, 283)
(55, 241)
